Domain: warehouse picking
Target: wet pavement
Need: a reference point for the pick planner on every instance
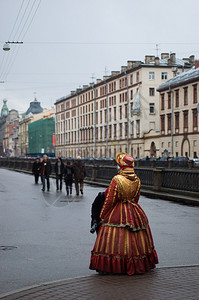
(45, 236)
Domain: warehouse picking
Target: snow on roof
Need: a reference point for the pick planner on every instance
(184, 77)
(164, 62)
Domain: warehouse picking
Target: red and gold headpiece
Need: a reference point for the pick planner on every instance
(125, 160)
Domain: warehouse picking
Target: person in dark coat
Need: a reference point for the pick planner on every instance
(79, 175)
(46, 170)
(68, 177)
(95, 212)
(59, 171)
(36, 169)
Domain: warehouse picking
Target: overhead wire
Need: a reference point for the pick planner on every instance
(16, 20)
(23, 16)
(6, 68)
(32, 19)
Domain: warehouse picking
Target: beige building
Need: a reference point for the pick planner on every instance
(179, 114)
(115, 113)
(23, 127)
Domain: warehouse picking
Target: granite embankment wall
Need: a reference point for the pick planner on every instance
(167, 181)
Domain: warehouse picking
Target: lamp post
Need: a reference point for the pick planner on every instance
(6, 46)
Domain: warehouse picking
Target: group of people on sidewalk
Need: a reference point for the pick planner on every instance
(71, 171)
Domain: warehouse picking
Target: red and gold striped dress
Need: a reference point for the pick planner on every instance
(124, 243)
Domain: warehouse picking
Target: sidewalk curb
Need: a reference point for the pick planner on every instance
(62, 281)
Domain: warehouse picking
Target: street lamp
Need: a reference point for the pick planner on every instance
(6, 46)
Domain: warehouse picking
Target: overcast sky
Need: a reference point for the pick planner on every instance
(67, 42)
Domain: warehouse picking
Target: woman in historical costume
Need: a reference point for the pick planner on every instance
(124, 244)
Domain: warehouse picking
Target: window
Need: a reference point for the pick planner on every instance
(164, 75)
(109, 114)
(138, 127)
(152, 108)
(177, 98)
(110, 131)
(151, 92)
(114, 132)
(120, 112)
(105, 115)
(125, 109)
(169, 122)
(195, 120)
(169, 100)
(137, 76)
(132, 128)
(126, 129)
(120, 130)
(151, 75)
(162, 123)
(101, 133)
(162, 101)
(195, 93)
(185, 96)
(185, 120)
(114, 112)
(177, 121)
(131, 94)
(105, 132)
(131, 79)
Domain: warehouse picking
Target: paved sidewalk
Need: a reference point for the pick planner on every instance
(161, 283)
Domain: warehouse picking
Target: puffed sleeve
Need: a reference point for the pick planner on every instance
(111, 198)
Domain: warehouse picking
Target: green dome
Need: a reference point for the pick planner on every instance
(4, 110)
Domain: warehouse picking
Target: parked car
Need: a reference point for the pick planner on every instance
(195, 162)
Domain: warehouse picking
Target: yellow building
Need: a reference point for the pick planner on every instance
(33, 114)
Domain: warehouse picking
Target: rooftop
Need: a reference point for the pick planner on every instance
(183, 78)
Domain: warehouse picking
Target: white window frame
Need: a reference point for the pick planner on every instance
(151, 108)
(151, 75)
(164, 75)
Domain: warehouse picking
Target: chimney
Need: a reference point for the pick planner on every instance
(78, 90)
(85, 86)
(149, 58)
(123, 68)
(169, 62)
(191, 58)
(173, 58)
(106, 77)
(186, 59)
(196, 64)
(98, 81)
(91, 83)
(115, 73)
(164, 55)
(157, 61)
(73, 93)
(130, 64)
(133, 63)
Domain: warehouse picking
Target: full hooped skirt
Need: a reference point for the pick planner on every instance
(122, 251)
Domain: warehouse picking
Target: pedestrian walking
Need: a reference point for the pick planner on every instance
(46, 170)
(68, 177)
(124, 244)
(59, 171)
(36, 169)
(79, 175)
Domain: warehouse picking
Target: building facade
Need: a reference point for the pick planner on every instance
(179, 115)
(115, 113)
(40, 136)
(10, 140)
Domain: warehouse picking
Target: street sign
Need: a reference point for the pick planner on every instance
(198, 108)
